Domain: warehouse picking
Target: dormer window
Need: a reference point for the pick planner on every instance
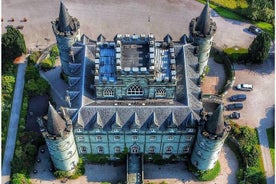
(135, 90)
(108, 92)
(116, 130)
(134, 130)
(152, 130)
(160, 92)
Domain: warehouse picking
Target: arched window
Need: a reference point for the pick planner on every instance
(160, 92)
(151, 149)
(117, 149)
(83, 149)
(100, 149)
(169, 150)
(108, 92)
(135, 90)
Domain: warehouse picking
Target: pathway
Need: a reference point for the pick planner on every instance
(13, 124)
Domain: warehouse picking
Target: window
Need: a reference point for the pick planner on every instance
(117, 149)
(152, 130)
(168, 149)
(69, 153)
(190, 130)
(199, 153)
(170, 137)
(100, 149)
(134, 130)
(186, 149)
(80, 138)
(83, 149)
(135, 138)
(151, 149)
(116, 138)
(135, 90)
(160, 92)
(188, 137)
(99, 138)
(152, 137)
(116, 130)
(79, 130)
(108, 92)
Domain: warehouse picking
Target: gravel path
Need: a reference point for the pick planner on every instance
(171, 173)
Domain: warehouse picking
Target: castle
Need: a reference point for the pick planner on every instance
(134, 93)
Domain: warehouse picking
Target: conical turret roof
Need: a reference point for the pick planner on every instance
(55, 124)
(215, 124)
(203, 21)
(64, 20)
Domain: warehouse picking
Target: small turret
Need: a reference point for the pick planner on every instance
(209, 141)
(55, 124)
(202, 30)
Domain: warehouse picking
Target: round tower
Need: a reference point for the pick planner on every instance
(58, 134)
(202, 30)
(209, 141)
(66, 30)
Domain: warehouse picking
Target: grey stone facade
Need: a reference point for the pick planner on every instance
(136, 93)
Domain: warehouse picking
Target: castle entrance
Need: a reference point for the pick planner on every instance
(134, 149)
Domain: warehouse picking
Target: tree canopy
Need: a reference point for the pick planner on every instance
(259, 48)
(13, 44)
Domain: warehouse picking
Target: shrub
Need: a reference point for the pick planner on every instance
(46, 64)
(34, 57)
(236, 54)
(19, 178)
(54, 52)
(97, 158)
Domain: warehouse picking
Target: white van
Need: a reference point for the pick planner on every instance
(244, 87)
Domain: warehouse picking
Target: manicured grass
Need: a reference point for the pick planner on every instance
(271, 140)
(210, 174)
(225, 12)
(232, 4)
(236, 53)
(267, 28)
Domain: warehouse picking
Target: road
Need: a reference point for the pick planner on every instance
(13, 124)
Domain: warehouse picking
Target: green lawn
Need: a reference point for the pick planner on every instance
(271, 140)
(266, 27)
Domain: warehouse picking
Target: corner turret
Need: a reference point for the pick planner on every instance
(66, 30)
(209, 141)
(202, 30)
(58, 134)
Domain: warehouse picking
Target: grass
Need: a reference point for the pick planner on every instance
(267, 27)
(232, 4)
(271, 140)
(210, 174)
(223, 12)
(236, 53)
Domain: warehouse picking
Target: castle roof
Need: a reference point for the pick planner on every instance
(64, 19)
(215, 124)
(203, 21)
(55, 124)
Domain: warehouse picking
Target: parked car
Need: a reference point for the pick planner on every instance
(234, 106)
(244, 87)
(237, 98)
(255, 30)
(234, 115)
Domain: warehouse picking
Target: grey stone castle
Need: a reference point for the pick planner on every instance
(134, 93)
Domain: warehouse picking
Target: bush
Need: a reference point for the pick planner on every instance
(236, 54)
(34, 57)
(46, 64)
(97, 158)
(54, 52)
(19, 178)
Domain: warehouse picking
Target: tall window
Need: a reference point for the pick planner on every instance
(100, 149)
(160, 92)
(116, 137)
(117, 149)
(83, 149)
(135, 89)
(169, 150)
(186, 149)
(134, 138)
(99, 138)
(151, 149)
(108, 92)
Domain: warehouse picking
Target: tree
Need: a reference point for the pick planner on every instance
(259, 48)
(13, 44)
(19, 178)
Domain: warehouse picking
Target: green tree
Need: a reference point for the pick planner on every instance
(46, 64)
(259, 48)
(19, 178)
(13, 44)
(8, 82)
(54, 51)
